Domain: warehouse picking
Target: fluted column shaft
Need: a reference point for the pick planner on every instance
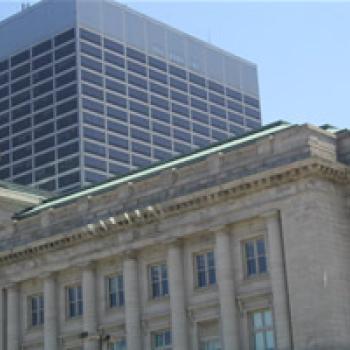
(132, 304)
(50, 313)
(13, 333)
(177, 297)
(89, 307)
(225, 280)
(278, 280)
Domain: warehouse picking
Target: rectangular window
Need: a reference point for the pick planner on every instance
(115, 286)
(118, 345)
(210, 344)
(161, 340)
(205, 269)
(159, 280)
(262, 331)
(209, 335)
(74, 301)
(36, 310)
(255, 257)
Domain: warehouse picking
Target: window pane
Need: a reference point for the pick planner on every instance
(257, 320)
(259, 341)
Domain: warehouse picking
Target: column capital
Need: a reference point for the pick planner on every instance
(273, 213)
(87, 265)
(47, 274)
(174, 242)
(130, 254)
(11, 285)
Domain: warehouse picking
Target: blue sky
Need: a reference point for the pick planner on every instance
(302, 49)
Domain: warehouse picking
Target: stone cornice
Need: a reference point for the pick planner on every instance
(312, 167)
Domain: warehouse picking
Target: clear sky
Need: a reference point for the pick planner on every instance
(302, 49)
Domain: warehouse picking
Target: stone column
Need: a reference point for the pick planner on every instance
(89, 307)
(13, 326)
(275, 255)
(50, 313)
(225, 280)
(177, 296)
(132, 303)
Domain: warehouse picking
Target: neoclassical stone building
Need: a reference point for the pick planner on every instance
(243, 245)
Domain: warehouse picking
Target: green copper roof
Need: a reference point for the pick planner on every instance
(156, 168)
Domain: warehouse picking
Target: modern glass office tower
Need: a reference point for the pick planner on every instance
(93, 89)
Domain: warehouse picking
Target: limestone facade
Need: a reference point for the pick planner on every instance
(242, 248)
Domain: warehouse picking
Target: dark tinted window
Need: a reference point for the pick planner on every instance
(161, 141)
(4, 105)
(43, 102)
(22, 70)
(43, 116)
(236, 118)
(20, 98)
(44, 144)
(66, 107)
(136, 68)
(119, 156)
(42, 74)
(252, 112)
(21, 111)
(139, 121)
(118, 127)
(114, 59)
(181, 148)
(67, 135)
(178, 72)
(140, 162)
(93, 177)
(69, 179)
(117, 169)
(138, 94)
(156, 63)
(65, 64)
(63, 37)
(252, 124)
(116, 100)
(93, 120)
(94, 148)
(200, 129)
(180, 109)
(251, 101)
(91, 50)
(199, 104)
(201, 142)
(137, 81)
(41, 48)
(44, 173)
(68, 164)
(200, 116)
(141, 149)
(22, 167)
(216, 87)
(4, 132)
(93, 106)
(220, 136)
(91, 77)
(44, 158)
(68, 149)
(66, 78)
(136, 55)
(20, 84)
(194, 78)
(43, 88)
(117, 113)
(233, 94)
(4, 78)
(178, 84)
(138, 107)
(216, 99)
(196, 91)
(113, 46)
(177, 96)
(5, 158)
(159, 89)
(160, 115)
(94, 134)
(87, 35)
(218, 111)
(159, 102)
(4, 65)
(4, 118)
(48, 186)
(4, 173)
(140, 135)
(115, 73)
(67, 121)
(24, 180)
(218, 123)
(19, 58)
(64, 51)
(153, 74)
(181, 122)
(115, 86)
(94, 163)
(93, 92)
(235, 106)
(44, 130)
(22, 152)
(91, 64)
(42, 61)
(162, 155)
(118, 142)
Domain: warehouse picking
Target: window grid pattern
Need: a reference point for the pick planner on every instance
(161, 340)
(263, 337)
(75, 301)
(118, 345)
(38, 94)
(210, 344)
(140, 109)
(205, 269)
(255, 255)
(159, 280)
(115, 291)
(37, 310)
